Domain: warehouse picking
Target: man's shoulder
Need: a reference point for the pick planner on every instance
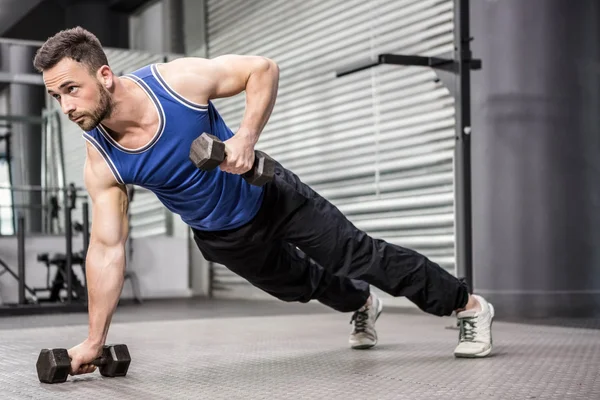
(185, 77)
(141, 72)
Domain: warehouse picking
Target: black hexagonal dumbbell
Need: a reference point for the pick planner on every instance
(53, 365)
(207, 152)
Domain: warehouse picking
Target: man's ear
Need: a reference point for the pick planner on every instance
(106, 77)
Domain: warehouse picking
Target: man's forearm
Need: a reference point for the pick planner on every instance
(105, 270)
(261, 93)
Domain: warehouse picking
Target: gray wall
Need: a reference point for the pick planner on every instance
(536, 156)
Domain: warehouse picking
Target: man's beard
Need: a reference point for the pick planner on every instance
(103, 111)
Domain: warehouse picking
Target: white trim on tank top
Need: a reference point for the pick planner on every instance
(113, 169)
(173, 93)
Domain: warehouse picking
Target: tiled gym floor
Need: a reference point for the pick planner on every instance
(271, 350)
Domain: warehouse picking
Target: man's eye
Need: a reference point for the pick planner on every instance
(56, 96)
(72, 89)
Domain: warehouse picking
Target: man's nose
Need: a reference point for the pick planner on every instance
(67, 107)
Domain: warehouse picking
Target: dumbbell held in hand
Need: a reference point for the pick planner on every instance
(53, 365)
(207, 152)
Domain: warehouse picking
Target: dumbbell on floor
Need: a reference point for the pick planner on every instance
(53, 365)
(207, 152)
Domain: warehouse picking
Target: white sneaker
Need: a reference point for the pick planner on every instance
(364, 335)
(475, 337)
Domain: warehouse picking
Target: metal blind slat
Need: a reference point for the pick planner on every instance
(394, 185)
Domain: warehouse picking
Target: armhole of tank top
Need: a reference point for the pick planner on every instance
(179, 98)
(109, 163)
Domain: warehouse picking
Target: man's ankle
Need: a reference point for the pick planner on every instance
(472, 304)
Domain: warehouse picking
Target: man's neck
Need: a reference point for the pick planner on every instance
(129, 108)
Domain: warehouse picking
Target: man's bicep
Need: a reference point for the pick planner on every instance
(109, 217)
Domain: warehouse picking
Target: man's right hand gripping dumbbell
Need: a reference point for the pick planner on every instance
(208, 152)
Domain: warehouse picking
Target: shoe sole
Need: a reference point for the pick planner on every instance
(478, 355)
(483, 353)
(368, 346)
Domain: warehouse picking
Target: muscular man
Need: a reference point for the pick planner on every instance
(282, 237)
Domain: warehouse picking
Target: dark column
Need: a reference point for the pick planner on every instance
(536, 156)
(109, 26)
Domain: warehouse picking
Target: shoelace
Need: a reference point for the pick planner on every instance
(360, 319)
(467, 329)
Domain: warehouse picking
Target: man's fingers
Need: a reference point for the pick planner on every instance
(244, 167)
(238, 167)
(89, 368)
(75, 365)
(77, 368)
(237, 163)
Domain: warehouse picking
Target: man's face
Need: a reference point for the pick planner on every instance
(80, 94)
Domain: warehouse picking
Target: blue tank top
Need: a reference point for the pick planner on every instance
(205, 200)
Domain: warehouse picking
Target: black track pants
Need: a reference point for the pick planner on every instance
(300, 247)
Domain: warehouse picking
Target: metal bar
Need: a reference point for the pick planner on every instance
(86, 240)
(72, 193)
(62, 174)
(31, 188)
(86, 227)
(44, 174)
(37, 43)
(6, 156)
(21, 42)
(464, 239)
(16, 276)
(23, 206)
(21, 78)
(26, 119)
(21, 257)
(401, 59)
(356, 67)
(398, 59)
(8, 140)
(69, 247)
(211, 280)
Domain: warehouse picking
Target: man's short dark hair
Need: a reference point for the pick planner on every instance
(75, 43)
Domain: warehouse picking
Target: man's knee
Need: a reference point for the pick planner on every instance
(340, 305)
